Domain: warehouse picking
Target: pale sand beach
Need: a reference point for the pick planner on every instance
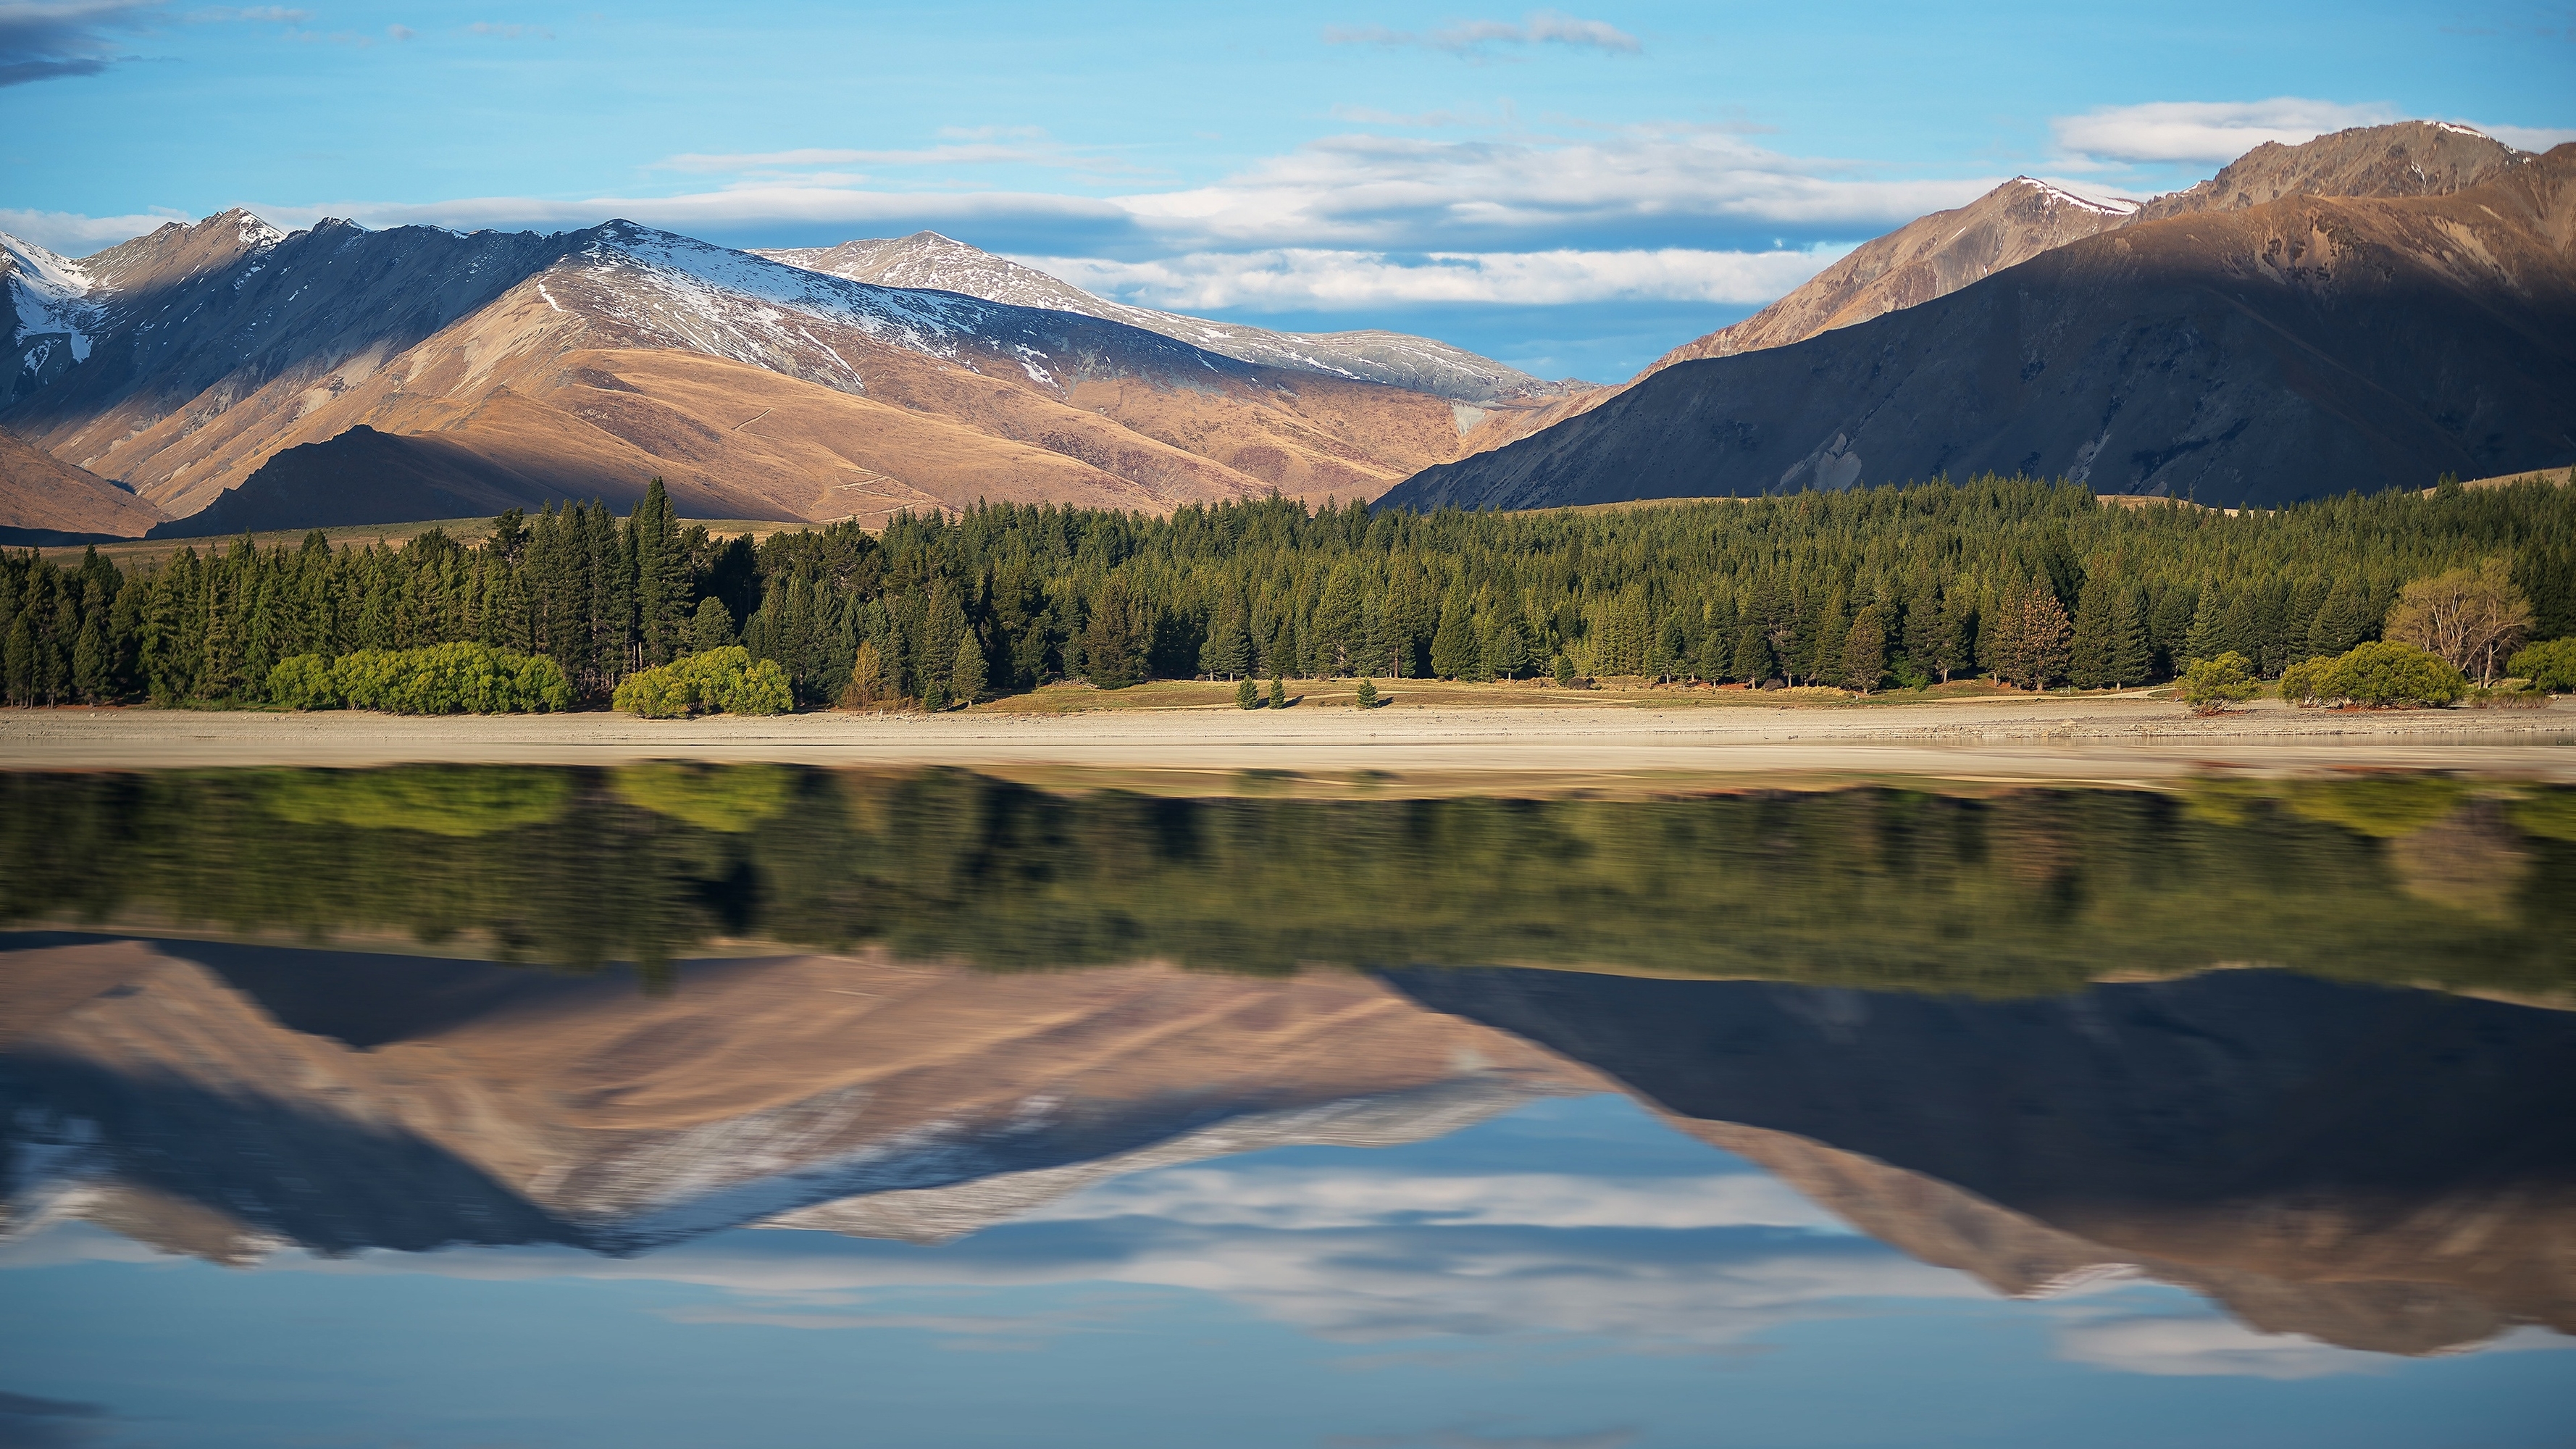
(2100, 740)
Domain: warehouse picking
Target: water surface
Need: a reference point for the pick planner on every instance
(688, 1106)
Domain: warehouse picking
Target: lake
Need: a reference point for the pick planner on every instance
(685, 1105)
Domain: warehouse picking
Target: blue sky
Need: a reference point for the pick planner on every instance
(1571, 190)
(1575, 1275)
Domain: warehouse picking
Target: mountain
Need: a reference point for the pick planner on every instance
(928, 260)
(222, 1100)
(43, 500)
(512, 368)
(1933, 256)
(2293, 348)
(2313, 1156)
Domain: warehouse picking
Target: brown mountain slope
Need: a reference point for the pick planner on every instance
(1938, 254)
(39, 493)
(2304, 347)
(585, 364)
(508, 1106)
(2410, 158)
(2313, 1156)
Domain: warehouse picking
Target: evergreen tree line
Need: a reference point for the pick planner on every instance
(2033, 583)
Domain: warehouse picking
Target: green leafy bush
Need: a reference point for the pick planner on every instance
(2211, 685)
(2550, 666)
(2381, 674)
(438, 679)
(304, 682)
(717, 681)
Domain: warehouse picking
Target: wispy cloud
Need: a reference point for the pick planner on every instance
(1476, 39)
(71, 234)
(1309, 279)
(2204, 131)
(497, 31)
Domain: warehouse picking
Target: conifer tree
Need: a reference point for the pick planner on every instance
(1752, 662)
(967, 679)
(2207, 636)
(2046, 636)
(2131, 660)
(1864, 661)
(2089, 656)
(1453, 646)
(1508, 653)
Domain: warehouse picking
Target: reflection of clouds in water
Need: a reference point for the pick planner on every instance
(2220, 1347)
(1306, 1200)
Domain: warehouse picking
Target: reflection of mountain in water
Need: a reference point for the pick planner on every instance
(2387, 1170)
(340, 1102)
(2392, 1170)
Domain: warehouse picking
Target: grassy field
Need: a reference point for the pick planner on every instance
(1403, 694)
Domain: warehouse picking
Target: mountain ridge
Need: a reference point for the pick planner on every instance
(2302, 346)
(928, 260)
(584, 363)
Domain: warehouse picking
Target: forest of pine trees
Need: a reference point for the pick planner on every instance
(2036, 584)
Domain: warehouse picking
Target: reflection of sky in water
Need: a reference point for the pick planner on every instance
(1573, 1274)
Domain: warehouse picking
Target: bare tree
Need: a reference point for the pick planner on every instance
(2469, 616)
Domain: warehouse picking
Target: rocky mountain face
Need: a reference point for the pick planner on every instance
(928, 260)
(222, 1100)
(2294, 348)
(2409, 158)
(508, 369)
(2315, 1157)
(1938, 254)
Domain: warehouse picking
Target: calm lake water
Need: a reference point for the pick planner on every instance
(757, 1105)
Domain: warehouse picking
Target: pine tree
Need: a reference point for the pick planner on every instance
(2046, 636)
(1453, 645)
(1507, 654)
(2207, 637)
(2130, 658)
(1245, 695)
(1864, 661)
(1954, 639)
(1825, 645)
(1752, 662)
(2089, 660)
(713, 626)
(966, 680)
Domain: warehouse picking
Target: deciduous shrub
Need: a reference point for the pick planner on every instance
(2381, 674)
(2211, 685)
(718, 681)
(304, 682)
(438, 679)
(2551, 667)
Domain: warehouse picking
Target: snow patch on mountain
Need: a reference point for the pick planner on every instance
(928, 261)
(50, 296)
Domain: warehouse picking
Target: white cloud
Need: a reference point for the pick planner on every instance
(1473, 38)
(498, 31)
(2204, 131)
(1314, 1199)
(2223, 1348)
(1420, 193)
(73, 235)
(2529, 138)
(1305, 279)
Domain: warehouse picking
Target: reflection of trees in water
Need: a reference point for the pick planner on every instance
(2399, 879)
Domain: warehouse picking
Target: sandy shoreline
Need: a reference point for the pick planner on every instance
(2123, 740)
